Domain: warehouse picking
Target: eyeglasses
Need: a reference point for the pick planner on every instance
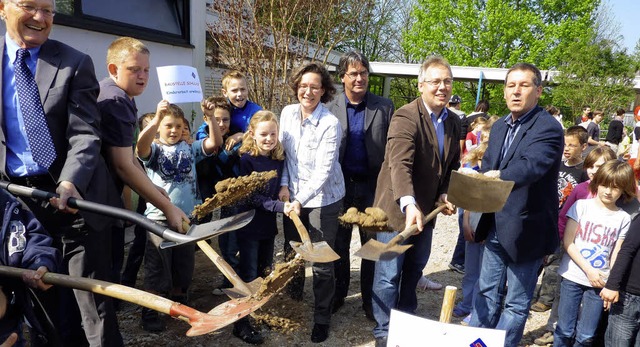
(436, 83)
(32, 10)
(313, 89)
(355, 74)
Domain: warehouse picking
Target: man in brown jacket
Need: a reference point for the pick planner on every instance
(421, 152)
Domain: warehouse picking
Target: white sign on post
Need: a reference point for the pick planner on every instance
(179, 83)
(407, 330)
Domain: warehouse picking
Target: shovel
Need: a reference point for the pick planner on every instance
(375, 250)
(201, 323)
(195, 232)
(478, 193)
(240, 288)
(317, 252)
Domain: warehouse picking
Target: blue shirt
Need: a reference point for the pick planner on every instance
(19, 157)
(355, 157)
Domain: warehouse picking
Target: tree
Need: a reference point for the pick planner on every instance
(498, 33)
(601, 78)
(267, 39)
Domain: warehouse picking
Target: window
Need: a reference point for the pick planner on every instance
(165, 21)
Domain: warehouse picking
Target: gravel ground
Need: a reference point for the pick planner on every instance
(349, 327)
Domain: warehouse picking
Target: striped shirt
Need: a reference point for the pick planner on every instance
(311, 171)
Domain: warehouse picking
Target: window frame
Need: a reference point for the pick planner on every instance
(84, 21)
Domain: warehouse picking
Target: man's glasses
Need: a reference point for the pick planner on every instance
(436, 83)
(353, 75)
(32, 10)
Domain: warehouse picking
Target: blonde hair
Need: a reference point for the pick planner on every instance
(474, 157)
(122, 47)
(232, 75)
(249, 144)
(617, 174)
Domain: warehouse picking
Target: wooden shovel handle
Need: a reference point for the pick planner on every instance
(406, 233)
(138, 297)
(304, 234)
(224, 267)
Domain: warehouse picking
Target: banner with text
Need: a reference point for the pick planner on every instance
(407, 330)
(179, 83)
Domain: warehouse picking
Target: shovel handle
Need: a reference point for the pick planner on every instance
(224, 267)
(304, 234)
(138, 297)
(106, 210)
(408, 232)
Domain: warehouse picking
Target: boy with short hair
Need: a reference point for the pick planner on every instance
(570, 174)
(222, 165)
(128, 66)
(235, 90)
(24, 243)
(170, 164)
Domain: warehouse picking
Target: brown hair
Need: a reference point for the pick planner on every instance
(327, 84)
(122, 47)
(475, 155)
(599, 152)
(617, 174)
(578, 132)
(218, 102)
(249, 144)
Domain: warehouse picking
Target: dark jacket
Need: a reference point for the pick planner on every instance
(527, 225)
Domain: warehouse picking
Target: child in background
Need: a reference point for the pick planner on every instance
(23, 243)
(136, 250)
(593, 235)
(473, 250)
(261, 151)
(473, 136)
(170, 164)
(236, 92)
(186, 132)
(621, 294)
(222, 165)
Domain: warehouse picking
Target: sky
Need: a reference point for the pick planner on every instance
(627, 12)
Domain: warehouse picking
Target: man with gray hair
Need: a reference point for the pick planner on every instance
(421, 152)
(365, 118)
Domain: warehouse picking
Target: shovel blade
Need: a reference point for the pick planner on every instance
(375, 250)
(317, 252)
(235, 309)
(208, 230)
(237, 293)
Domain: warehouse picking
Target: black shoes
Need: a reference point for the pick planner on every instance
(151, 321)
(337, 303)
(320, 332)
(381, 341)
(243, 330)
(459, 268)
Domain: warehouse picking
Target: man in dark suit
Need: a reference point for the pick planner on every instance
(67, 89)
(525, 147)
(421, 152)
(365, 118)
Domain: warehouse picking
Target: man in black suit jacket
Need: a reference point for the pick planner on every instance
(365, 118)
(525, 147)
(68, 90)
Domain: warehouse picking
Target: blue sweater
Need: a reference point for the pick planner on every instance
(265, 202)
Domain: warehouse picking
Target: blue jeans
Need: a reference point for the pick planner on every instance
(395, 280)
(575, 322)
(472, 266)
(624, 322)
(256, 256)
(498, 269)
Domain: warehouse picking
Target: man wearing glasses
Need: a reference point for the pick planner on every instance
(50, 140)
(365, 118)
(421, 152)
